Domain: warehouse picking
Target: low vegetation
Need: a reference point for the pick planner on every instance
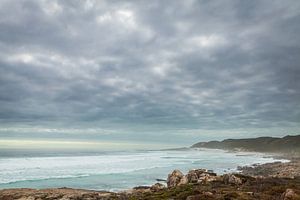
(288, 144)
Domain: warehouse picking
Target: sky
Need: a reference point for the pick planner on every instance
(148, 72)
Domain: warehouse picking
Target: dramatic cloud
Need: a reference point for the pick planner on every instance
(168, 71)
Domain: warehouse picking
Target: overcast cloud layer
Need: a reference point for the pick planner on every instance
(168, 71)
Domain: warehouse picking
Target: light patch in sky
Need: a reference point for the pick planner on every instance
(23, 57)
(52, 7)
(207, 41)
(124, 17)
(163, 69)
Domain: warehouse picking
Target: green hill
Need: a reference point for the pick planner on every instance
(287, 144)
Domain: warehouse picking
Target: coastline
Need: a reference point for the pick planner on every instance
(123, 171)
(289, 169)
(270, 172)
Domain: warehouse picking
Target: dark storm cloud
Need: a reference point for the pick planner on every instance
(136, 69)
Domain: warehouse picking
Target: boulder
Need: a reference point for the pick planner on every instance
(289, 194)
(235, 180)
(157, 187)
(200, 175)
(184, 180)
(192, 176)
(207, 178)
(232, 179)
(199, 172)
(174, 178)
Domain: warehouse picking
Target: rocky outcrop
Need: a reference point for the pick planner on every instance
(197, 176)
(174, 178)
(200, 175)
(177, 178)
(277, 169)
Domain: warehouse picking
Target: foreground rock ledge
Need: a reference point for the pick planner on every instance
(195, 185)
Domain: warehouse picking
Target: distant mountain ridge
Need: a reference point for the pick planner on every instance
(287, 144)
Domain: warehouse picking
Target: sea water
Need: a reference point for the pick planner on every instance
(114, 171)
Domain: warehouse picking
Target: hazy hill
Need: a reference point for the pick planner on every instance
(287, 144)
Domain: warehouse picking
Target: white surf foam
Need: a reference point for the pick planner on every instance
(38, 168)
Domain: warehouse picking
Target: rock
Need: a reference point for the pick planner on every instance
(174, 178)
(183, 181)
(289, 194)
(200, 175)
(192, 176)
(157, 187)
(212, 173)
(250, 193)
(207, 178)
(161, 180)
(141, 187)
(199, 172)
(234, 180)
(208, 194)
(194, 197)
(231, 179)
(26, 198)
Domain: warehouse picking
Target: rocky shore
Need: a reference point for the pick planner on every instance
(267, 181)
(277, 169)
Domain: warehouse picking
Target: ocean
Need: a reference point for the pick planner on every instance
(113, 171)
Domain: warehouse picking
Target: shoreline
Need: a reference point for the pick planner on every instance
(232, 169)
(278, 170)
